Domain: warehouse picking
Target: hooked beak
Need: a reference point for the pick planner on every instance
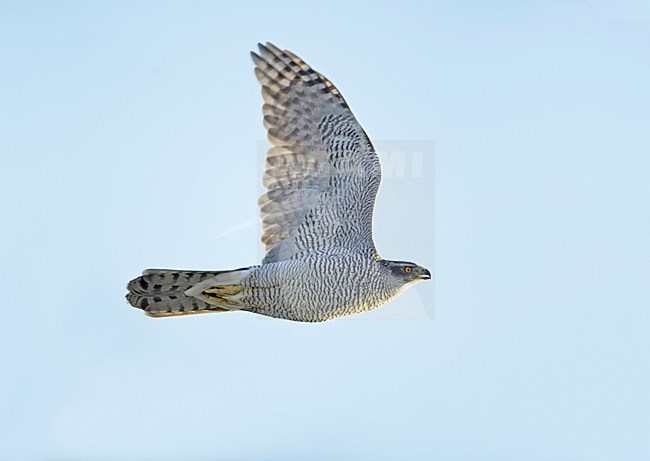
(425, 275)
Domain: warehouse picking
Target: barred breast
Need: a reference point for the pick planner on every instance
(316, 289)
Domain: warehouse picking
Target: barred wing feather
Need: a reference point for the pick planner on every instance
(322, 175)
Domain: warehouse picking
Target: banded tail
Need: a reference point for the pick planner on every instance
(166, 293)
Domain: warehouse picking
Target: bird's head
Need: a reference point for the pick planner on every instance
(404, 272)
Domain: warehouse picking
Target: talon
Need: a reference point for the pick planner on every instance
(228, 290)
(224, 294)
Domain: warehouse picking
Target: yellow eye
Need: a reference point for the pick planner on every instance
(407, 270)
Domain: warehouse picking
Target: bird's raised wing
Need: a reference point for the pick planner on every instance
(322, 174)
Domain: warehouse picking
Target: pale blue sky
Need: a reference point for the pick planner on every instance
(129, 135)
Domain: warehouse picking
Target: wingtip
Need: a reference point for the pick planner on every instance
(263, 48)
(267, 50)
(273, 48)
(256, 58)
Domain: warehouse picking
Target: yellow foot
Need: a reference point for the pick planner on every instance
(225, 294)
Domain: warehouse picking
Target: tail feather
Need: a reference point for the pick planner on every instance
(161, 293)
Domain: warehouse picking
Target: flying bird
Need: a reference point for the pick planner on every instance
(322, 175)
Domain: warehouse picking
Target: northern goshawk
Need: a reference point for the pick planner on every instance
(322, 177)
